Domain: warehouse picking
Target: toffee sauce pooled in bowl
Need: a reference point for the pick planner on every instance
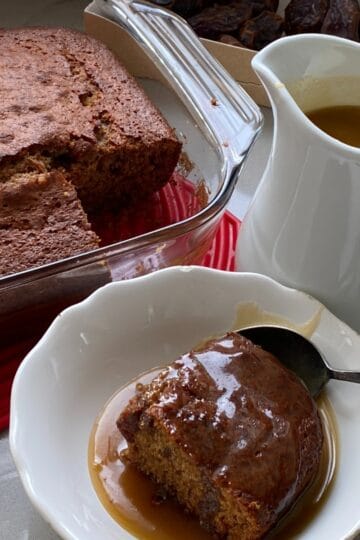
(134, 501)
(341, 122)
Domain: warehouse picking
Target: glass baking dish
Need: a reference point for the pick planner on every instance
(215, 120)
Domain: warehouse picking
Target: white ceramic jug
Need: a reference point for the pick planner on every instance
(303, 225)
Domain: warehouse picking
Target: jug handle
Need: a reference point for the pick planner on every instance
(230, 117)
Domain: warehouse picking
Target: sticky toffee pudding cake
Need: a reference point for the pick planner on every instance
(68, 103)
(228, 431)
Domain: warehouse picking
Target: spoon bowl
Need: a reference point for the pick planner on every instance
(299, 354)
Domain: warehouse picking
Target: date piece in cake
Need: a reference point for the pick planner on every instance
(67, 102)
(230, 432)
(41, 221)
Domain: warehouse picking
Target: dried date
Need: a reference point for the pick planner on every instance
(255, 23)
(264, 5)
(303, 16)
(342, 19)
(186, 8)
(229, 40)
(262, 30)
(220, 19)
(257, 6)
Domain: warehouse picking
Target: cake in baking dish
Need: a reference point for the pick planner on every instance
(228, 431)
(68, 103)
(69, 107)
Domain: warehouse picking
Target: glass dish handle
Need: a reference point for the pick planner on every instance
(231, 118)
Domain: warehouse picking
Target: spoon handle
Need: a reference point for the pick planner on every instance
(350, 376)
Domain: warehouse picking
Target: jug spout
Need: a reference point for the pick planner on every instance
(303, 225)
(296, 67)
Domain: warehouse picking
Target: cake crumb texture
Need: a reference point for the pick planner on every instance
(41, 220)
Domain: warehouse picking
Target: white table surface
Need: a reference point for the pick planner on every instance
(18, 519)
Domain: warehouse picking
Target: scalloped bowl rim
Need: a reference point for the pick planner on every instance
(165, 277)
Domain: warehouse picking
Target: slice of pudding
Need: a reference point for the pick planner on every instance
(228, 431)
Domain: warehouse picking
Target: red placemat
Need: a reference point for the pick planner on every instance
(176, 201)
(221, 254)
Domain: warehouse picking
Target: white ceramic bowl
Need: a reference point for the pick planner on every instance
(125, 328)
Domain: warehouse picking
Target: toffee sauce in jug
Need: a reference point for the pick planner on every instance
(341, 122)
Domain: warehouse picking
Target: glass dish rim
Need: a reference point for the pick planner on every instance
(231, 156)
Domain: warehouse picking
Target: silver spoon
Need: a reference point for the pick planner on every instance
(298, 354)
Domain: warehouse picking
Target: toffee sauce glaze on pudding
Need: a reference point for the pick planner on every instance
(134, 502)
